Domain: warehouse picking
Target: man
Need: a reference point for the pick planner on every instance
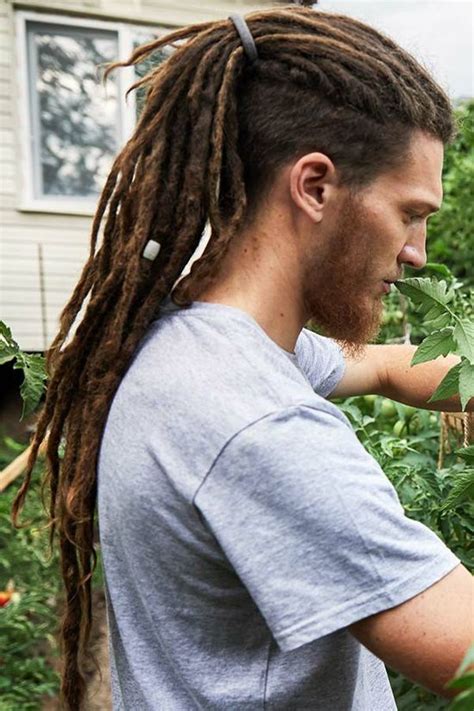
(255, 555)
(294, 547)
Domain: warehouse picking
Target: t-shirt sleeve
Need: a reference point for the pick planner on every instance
(313, 527)
(321, 359)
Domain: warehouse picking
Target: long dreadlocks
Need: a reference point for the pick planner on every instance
(214, 131)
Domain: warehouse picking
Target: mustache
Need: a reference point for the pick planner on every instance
(395, 278)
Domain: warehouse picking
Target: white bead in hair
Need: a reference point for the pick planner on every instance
(151, 250)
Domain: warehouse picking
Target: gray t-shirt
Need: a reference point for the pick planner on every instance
(243, 526)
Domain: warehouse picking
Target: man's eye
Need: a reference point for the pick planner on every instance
(414, 217)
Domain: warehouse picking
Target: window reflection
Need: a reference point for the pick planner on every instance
(146, 66)
(77, 118)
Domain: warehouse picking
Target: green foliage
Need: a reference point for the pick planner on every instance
(438, 343)
(464, 680)
(431, 297)
(33, 367)
(449, 386)
(28, 622)
(404, 440)
(402, 319)
(451, 333)
(450, 230)
(454, 335)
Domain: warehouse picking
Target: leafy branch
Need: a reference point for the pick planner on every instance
(32, 365)
(450, 334)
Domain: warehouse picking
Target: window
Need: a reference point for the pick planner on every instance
(74, 124)
(75, 127)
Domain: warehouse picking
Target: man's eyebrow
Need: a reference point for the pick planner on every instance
(429, 207)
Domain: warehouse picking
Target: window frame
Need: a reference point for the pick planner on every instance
(125, 76)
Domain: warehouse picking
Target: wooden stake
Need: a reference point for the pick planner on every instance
(18, 466)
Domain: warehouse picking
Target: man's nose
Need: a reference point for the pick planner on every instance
(413, 255)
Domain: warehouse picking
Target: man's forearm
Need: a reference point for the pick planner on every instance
(415, 385)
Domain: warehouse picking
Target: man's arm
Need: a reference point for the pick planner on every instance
(385, 370)
(426, 637)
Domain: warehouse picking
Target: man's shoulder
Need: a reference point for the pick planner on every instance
(288, 431)
(321, 359)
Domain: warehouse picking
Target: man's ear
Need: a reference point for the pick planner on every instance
(313, 184)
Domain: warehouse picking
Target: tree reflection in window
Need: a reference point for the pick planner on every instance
(77, 119)
(146, 66)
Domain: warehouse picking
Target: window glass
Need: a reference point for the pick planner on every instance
(76, 119)
(146, 65)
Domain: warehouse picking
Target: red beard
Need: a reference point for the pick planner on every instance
(340, 293)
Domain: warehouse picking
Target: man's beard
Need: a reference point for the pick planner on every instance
(340, 284)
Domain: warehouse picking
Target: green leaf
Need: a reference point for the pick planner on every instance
(464, 335)
(466, 453)
(463, 682)
(442, 320)
(466, 383)
(463, 490)
(440, 269)
(467, 661)
(463, 701)
(353, 411)
(32, 387)
(449, 386)
(6, 353)
(464, 679)
(430, 295)
(6, 334)
(8, 346)
(436, 344)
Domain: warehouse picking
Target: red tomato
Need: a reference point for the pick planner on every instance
(5, 598)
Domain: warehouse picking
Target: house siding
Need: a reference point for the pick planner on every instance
(42, 253)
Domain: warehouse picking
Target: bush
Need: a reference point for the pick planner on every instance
(29, 621)
(450, 230)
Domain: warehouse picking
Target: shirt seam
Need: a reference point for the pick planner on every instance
(266, 675)
(337, 372)
(246, 427)
(228, 441)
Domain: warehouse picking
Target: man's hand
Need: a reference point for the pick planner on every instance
(385, 370)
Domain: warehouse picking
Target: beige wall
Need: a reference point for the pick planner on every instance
(41, 253)
(168, 13)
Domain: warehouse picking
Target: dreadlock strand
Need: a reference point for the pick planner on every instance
(217, 146)
(73, 684)
(167, 75)
(144, 50)
(207, 189)
(134, 271)
(131, 199)
(71, 310)
(64, 388)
